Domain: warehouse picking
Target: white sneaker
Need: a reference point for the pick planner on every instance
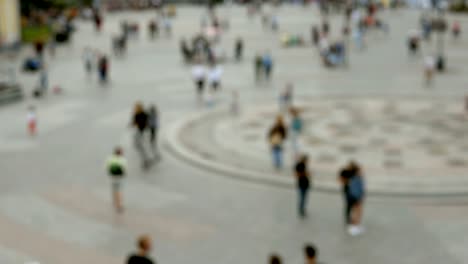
(353, 230)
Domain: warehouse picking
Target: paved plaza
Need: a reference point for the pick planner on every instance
(214, 198)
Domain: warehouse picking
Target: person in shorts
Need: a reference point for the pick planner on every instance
(199, 75)
(116, 167)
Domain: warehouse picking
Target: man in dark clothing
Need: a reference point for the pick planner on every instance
(345, 176)
(141, 257)
(140, 122)
(303, 184)
(239, 49)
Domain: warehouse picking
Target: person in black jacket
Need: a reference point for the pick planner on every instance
(303, 184)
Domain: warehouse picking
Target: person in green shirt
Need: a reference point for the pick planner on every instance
(116, 167)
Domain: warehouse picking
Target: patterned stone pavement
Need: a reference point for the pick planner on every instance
(413, 146)
(54, 194)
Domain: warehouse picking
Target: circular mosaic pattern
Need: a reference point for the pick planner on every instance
(407, 137)
(405, 146)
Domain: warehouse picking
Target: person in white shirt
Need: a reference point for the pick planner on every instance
(199, 75)
(214, 77)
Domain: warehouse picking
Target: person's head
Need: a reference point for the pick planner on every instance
(304, 158)
(144, 243)
(138, 107)
(279, 120)
(153, 109)
(310, 253)
(32, 108)
(118, 151)
(294, 111)
(354, 167)
(275, 259)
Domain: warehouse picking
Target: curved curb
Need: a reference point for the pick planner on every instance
(175, 146)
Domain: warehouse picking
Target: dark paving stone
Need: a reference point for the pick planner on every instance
(393, 164)
(326, 158)
(348, 149)
(392, 151)
(457, 162)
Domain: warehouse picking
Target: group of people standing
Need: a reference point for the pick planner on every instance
(96, 61)
(263, 67)
(211, 76)
(350, 177)
(146, 121)
(143, 122)
(352, 182)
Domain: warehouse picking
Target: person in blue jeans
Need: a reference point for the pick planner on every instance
(276, 136)
(267, 65)
(303, 184)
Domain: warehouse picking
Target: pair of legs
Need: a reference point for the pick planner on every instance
(154, 141)
(353, 210)
(139, 146)
(428, 74)
(302, 205)
(277, 152)
(117, 194)
(200, 85)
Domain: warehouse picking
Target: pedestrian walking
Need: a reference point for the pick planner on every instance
(97, 20)
(140, 123)
(153, 29)
(413, 42)
(352, 181)
(267, 65)
(276, 136)
(43, 80)
(153, 124)
(199, 75)
(285, 100)
(144, 245)
(310, 254)
(31, 119)
(315, 35)
(88, 60)
(429, 67)
(303, 184)
(167, 23)
(456, 29)
(258, 68)
(235, 108)
(296, 131)
(103, 69)
(239, 49)
(117, 169)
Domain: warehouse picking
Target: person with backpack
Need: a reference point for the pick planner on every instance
(117, 167)
(354, 190)
(303, 184)
(276, 136)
